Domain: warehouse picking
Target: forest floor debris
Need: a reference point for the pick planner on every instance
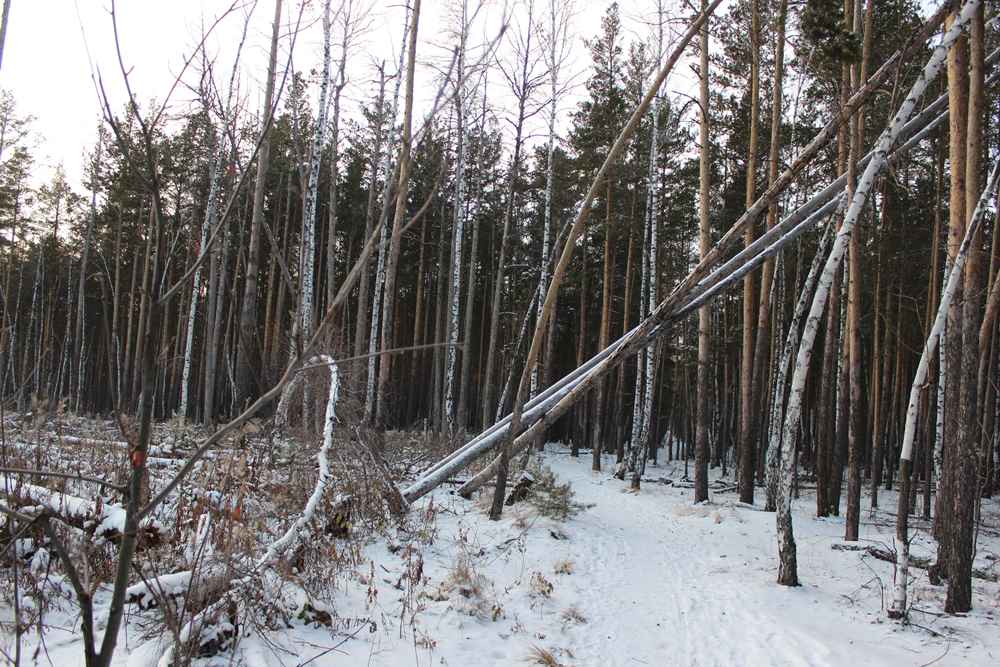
(582, 572)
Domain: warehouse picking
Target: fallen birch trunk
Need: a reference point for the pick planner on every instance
(146, 593)
(102, 521)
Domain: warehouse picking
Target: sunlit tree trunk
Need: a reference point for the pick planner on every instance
(958, 99)
(704, 245)
(746, 438)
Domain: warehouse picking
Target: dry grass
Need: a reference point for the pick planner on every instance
(540, 586)
(573, 615)
(540, 656)
(564, 567)
(475, 595)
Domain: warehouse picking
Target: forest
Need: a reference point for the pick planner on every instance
(734, 261)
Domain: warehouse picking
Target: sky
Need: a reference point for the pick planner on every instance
(56, 48)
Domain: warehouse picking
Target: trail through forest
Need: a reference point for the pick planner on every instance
(661, 581)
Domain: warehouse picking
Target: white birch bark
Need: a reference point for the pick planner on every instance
(458, 227)
(942, 388)
(645, 368)
(786, 543)
(955, 277)
(308, 253)
(791, 344)
(207, 224)
(383, 246)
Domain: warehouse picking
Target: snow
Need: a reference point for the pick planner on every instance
(109, 517)
(630, 579)
(661, 581)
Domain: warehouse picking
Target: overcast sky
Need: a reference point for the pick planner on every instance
(52, 46)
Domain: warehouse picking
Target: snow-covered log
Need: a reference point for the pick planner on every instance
(103, 521)
(293, 536)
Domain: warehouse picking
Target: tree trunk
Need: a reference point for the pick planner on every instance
(388, 302)
(746, 441)
(249, 359)
(958, 90)
(460, 207)
(704, 245)
(859, 72)
(965, 489)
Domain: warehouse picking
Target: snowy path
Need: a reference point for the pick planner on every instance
(662, 582)
(655, 584)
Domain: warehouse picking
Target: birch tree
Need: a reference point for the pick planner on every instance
(458, 224)
(648, 293)
(787, 571)
(987, 203)
(307, 256)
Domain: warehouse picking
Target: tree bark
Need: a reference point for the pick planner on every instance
(395, 238)
(249, 359)
(750, 307)
(704, 246)
(859, 72)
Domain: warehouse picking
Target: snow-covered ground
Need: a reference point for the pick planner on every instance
(630, 579)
